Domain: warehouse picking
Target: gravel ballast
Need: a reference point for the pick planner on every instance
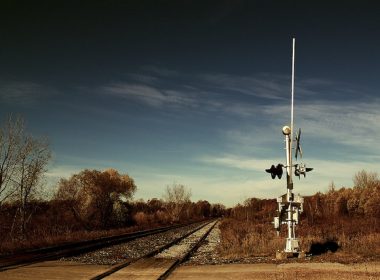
(207, 253)
(180, 249)
(130, 250)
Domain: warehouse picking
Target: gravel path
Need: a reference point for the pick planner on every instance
(130, 250)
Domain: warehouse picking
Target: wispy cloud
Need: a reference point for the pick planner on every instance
(234, 94)
(24, 92)
(354, 123)
(210, 92)
(150, 95)
(352, 126)
(144, 93)
(244, 163)
(350, 123)
(276, 88)
(264, 85)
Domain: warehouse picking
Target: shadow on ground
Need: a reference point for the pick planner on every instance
(322, 248)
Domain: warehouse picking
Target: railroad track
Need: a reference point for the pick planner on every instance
(160, 263)
(75, 248)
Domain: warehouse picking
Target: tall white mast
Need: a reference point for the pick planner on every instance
(289, 205)
(293, 63)
(292, 104)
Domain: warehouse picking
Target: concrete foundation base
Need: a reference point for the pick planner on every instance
(285, 255)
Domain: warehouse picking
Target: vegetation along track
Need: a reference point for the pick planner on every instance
(165, 259)
(71, 249)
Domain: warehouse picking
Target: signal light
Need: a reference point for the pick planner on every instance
(275, 171)
(301, 169)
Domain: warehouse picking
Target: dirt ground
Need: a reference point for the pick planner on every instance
(317, 271)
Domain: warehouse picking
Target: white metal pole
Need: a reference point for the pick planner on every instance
(292, 105)
(292, 110)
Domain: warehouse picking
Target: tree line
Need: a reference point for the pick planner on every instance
(357, 202)
(348, 217)
(88, 201)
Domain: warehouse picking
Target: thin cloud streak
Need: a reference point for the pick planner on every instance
(340, 122)
(159, 87)
(207, 92)
(243, 163)
(264, 87)
(26, 93)
(355, 125)
(150, 95)
(147, 94)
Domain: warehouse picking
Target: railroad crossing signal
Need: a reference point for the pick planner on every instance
(289, 206)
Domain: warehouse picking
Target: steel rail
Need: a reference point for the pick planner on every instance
(186, 256)
(117, 267)
(75, 248)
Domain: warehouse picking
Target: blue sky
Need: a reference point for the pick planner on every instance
(196, 92)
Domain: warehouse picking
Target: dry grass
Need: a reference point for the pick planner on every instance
(248, 239)
(365, 244)
(244, 239)
(38, 238)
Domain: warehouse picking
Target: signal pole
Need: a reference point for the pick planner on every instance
(290, 206)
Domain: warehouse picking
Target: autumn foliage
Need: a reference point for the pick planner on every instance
(95, 198)
(347, 217)
(95, 203)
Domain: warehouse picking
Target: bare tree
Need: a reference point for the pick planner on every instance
(23, 161)
(11, 135)
(34, 157)
(176, 197)
(364, 179)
